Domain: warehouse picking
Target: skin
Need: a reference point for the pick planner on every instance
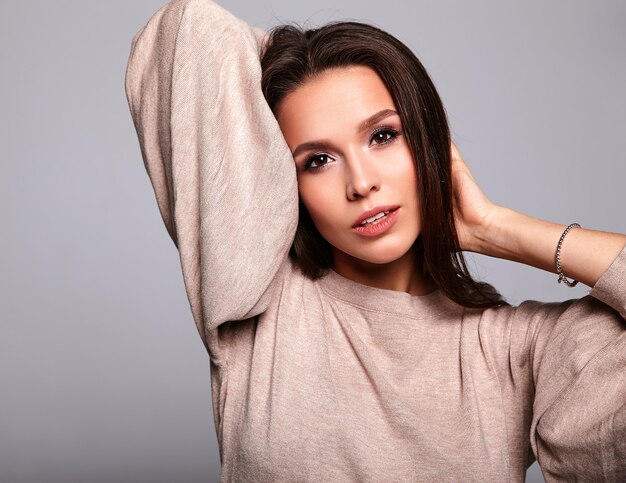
(359, 170)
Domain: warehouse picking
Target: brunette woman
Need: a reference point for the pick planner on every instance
(309, 181)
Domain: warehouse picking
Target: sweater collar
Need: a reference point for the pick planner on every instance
(377, 299)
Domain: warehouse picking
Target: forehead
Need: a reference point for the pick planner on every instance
(336, 99)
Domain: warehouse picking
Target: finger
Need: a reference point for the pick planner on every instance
(454, 150)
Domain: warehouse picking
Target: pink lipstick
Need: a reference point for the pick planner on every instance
(387, 216)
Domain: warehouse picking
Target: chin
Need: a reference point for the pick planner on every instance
(381, 258)
(380, 255)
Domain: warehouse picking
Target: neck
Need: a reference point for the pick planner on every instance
(403, 274)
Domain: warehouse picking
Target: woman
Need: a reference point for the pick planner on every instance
(343, 351)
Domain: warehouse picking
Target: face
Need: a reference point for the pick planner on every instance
(346, 165)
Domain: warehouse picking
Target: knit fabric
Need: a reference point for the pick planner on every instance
(332, 380)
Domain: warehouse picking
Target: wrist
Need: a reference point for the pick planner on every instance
(518, 237)
(493, 236)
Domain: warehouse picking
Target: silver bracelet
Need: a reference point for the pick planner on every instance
(562, 277)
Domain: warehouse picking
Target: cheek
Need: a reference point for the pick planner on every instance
(405, 176)
(409, 181)
(320, 199)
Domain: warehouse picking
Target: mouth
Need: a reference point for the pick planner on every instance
(374, 215)
(378, 224)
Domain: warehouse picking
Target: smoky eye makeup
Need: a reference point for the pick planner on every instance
(318, 158)
(385, 130)
(318, 161)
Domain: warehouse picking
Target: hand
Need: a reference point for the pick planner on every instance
(501, 232)
(472, 209)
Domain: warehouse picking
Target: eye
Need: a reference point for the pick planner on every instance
(320, 160)
(385, 135)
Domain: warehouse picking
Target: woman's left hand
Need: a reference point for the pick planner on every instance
(498, 231)
(472, 209)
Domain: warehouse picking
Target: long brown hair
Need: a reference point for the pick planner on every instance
(292, 55)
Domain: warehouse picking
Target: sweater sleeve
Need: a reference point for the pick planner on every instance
(222, 172)
(578, 359)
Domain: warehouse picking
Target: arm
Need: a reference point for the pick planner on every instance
(576, 349)
(585, 254)
(222, 173)
(501, 232)
(578, 367)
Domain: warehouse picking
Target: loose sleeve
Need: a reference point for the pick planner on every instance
(578, 357)
(221, 170)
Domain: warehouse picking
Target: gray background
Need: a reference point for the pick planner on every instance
(102, 373)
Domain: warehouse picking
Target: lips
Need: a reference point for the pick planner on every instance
(374, 211)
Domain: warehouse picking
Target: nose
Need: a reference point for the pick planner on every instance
(362, 177)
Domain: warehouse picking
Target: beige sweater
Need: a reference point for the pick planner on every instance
(332, 380)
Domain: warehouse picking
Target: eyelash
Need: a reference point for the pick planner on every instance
(388, 130)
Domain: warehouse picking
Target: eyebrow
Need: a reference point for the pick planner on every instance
(363, 126)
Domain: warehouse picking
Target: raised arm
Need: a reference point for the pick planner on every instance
(222, 173)
(578, 364)
(501, 232)
(576, 349)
